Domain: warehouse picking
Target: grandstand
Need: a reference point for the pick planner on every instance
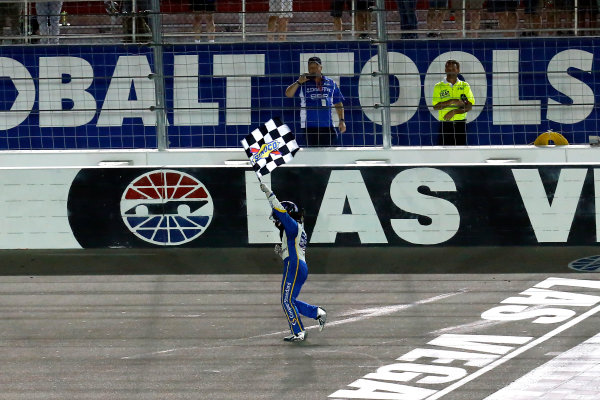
(237, 19)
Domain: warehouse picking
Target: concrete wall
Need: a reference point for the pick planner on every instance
(315, 157)
(345, 205)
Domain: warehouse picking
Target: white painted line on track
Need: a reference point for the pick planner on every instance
(368, 313)
(576, 371)
(364, 314)
(514, 353)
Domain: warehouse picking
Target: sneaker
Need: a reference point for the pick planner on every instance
(296, 338)
(322, 318)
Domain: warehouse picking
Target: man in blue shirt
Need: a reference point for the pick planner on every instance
(318, 94)
(289, 219)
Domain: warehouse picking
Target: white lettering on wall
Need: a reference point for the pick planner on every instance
(239, 68)
(445, 218)
(188, 110)
(260, 228)
(581, 94)
(131, 76)
(130, 93)
(551, 220)
(509, 109)
(23, 104)
(406, 76)
(350, 186)
(53, 90)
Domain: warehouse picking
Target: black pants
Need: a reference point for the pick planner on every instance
(320, 136)
(453, 133)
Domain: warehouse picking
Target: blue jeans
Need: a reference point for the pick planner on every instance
(48, 17)
(408, 14)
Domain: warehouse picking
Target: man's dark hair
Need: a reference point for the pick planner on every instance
(315, 59)
(453, 62)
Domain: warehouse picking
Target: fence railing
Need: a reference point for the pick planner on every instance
(186, 21)
(170, 87)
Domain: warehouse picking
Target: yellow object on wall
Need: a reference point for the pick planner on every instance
(549, 136)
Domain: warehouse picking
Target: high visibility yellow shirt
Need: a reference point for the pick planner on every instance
(444, 90)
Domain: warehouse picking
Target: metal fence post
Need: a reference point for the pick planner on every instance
(384, 78)
(159, 76)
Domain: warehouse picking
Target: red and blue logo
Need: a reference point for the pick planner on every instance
(166, 207)
(264, 151)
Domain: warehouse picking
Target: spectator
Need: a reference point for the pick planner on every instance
(142, 27)
(362, 16)
(550, 13)
(35, 29)
(204, 11)
(452, 98)
(280, 12)
(586, 14)
(436, 14)
(319, 94)
(506, 11)
(595, 20)
(48, 16)
(408, 17)
(10, 13)
(473, 9)
(533, 18)
(564, 10)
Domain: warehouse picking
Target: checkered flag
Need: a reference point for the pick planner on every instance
(269, 146)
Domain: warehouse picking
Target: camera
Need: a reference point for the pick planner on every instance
(311, 76)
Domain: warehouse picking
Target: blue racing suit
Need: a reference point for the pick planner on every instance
(295, 270)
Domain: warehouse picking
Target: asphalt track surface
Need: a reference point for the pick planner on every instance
(219, 336)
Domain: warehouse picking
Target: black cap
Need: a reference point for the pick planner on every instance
(315, 60)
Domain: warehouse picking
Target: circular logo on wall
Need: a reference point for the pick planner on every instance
(166, 207)
(587, 264)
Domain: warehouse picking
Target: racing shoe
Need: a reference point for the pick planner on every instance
(321, 317)
(296, 338)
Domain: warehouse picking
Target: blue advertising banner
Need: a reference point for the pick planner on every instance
(90, 97)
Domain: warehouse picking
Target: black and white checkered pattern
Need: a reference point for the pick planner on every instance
(278, 145)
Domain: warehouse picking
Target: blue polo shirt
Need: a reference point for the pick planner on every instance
(317, 101)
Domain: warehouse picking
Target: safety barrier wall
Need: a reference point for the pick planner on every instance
(105, 97)
(384, 206)
(316, 157)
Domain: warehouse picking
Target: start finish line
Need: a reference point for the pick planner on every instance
(551, 301)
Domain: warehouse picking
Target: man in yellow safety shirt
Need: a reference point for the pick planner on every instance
(452, 98)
